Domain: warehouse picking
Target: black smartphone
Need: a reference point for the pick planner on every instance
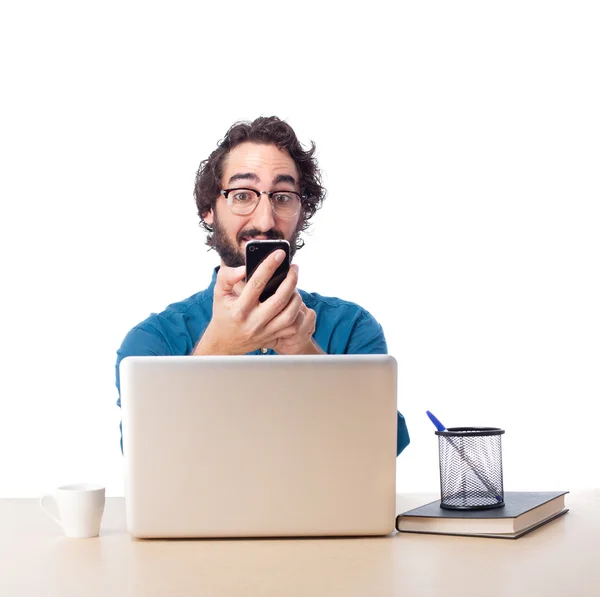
(256, 252)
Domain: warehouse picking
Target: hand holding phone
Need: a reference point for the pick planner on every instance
(256, 252)
(240, 324)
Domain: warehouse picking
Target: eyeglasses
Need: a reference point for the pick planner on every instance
(286, 204)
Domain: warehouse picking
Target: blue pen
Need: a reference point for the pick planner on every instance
(440, 427)
(435, 421)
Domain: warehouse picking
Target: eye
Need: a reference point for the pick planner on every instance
(281, 198)
(242, 197)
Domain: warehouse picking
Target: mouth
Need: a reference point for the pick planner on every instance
(245, 239)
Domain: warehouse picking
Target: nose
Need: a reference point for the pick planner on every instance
(262, 216)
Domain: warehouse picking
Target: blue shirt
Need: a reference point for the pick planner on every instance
(341, 328)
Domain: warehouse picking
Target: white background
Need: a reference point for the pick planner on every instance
(460, 146)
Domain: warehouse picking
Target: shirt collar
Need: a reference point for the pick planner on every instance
(210, 291)
(213, 280)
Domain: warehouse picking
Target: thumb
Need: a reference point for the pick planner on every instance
(227, 278)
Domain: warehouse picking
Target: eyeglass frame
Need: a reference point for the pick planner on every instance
(269, 194)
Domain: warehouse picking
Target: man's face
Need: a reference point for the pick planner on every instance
(260, 167)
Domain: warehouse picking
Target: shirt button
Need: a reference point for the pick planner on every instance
(264, 350)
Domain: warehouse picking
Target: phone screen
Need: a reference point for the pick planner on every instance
(256, 252)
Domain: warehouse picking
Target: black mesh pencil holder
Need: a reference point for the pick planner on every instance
(471, 468)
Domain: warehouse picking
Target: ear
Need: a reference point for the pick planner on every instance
(209, 217)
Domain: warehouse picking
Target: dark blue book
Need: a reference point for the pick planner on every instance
(523, 512)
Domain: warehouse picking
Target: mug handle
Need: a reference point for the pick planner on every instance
(48, 511)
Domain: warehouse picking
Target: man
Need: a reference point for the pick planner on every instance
(258, 184)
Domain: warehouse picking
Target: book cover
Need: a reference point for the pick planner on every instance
(523, 512)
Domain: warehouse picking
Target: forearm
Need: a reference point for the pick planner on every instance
(208, 344)
(313, 348)
(204, 348)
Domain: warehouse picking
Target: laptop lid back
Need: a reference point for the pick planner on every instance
(266, 445)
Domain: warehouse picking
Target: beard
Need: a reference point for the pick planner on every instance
(232, 253)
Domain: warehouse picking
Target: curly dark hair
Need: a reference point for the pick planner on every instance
(267, 130)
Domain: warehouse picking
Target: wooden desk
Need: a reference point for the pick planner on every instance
(560, 559)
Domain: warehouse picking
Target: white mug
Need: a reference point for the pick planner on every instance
(80, 508)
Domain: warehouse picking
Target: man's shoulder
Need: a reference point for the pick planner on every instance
(337, 311)
(172, 330)
(192, 307)
(316, 301)
(344, 327)
(191, 303)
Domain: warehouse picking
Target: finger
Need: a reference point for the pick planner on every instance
(294, 329)
(238, 288)
(304, 326)
(263, 273)
(227, 278)
(279, 301)
(310, 321)
(287, 317)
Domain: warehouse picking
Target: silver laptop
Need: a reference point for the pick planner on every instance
(259, 446)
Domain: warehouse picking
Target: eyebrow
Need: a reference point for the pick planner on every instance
(253, 177)
(244, 176)
(284, 178)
